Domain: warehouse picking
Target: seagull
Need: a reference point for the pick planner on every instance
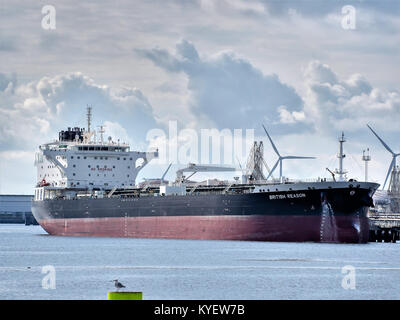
(118, 284)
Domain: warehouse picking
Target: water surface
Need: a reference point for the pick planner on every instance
(192, 269)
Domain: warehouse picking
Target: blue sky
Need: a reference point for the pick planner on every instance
(206, 64)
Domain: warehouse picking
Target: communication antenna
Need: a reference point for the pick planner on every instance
(101, 131)
(89, 117)
(366, 157)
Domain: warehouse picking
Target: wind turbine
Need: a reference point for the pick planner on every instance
(281, 158)
(394, 155)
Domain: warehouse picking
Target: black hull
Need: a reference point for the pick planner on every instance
(329, 214)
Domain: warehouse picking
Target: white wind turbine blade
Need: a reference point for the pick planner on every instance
(383, 142)
(272, 143)
(389, 171)
(296, 157)
(273, 168)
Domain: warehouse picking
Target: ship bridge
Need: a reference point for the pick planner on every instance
(80, 160)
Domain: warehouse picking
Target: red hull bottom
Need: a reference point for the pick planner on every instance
(251, 228)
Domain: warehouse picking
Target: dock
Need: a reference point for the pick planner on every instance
(384, 228)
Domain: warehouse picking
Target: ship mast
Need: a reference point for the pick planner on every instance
(101, 131)
(89, 117)
(366, 157)
(341, 156)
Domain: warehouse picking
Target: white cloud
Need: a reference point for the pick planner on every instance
(31, 112)
(349, 104)
(227, 91)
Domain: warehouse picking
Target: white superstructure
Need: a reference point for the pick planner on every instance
(78, 161)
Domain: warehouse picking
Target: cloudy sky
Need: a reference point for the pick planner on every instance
(293, 65)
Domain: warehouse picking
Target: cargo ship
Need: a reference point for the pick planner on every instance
(86, 187)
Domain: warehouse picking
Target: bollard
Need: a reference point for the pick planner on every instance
(116, 295)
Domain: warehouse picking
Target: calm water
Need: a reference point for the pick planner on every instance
(185, 269)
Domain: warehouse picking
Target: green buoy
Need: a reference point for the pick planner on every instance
(125, 295)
